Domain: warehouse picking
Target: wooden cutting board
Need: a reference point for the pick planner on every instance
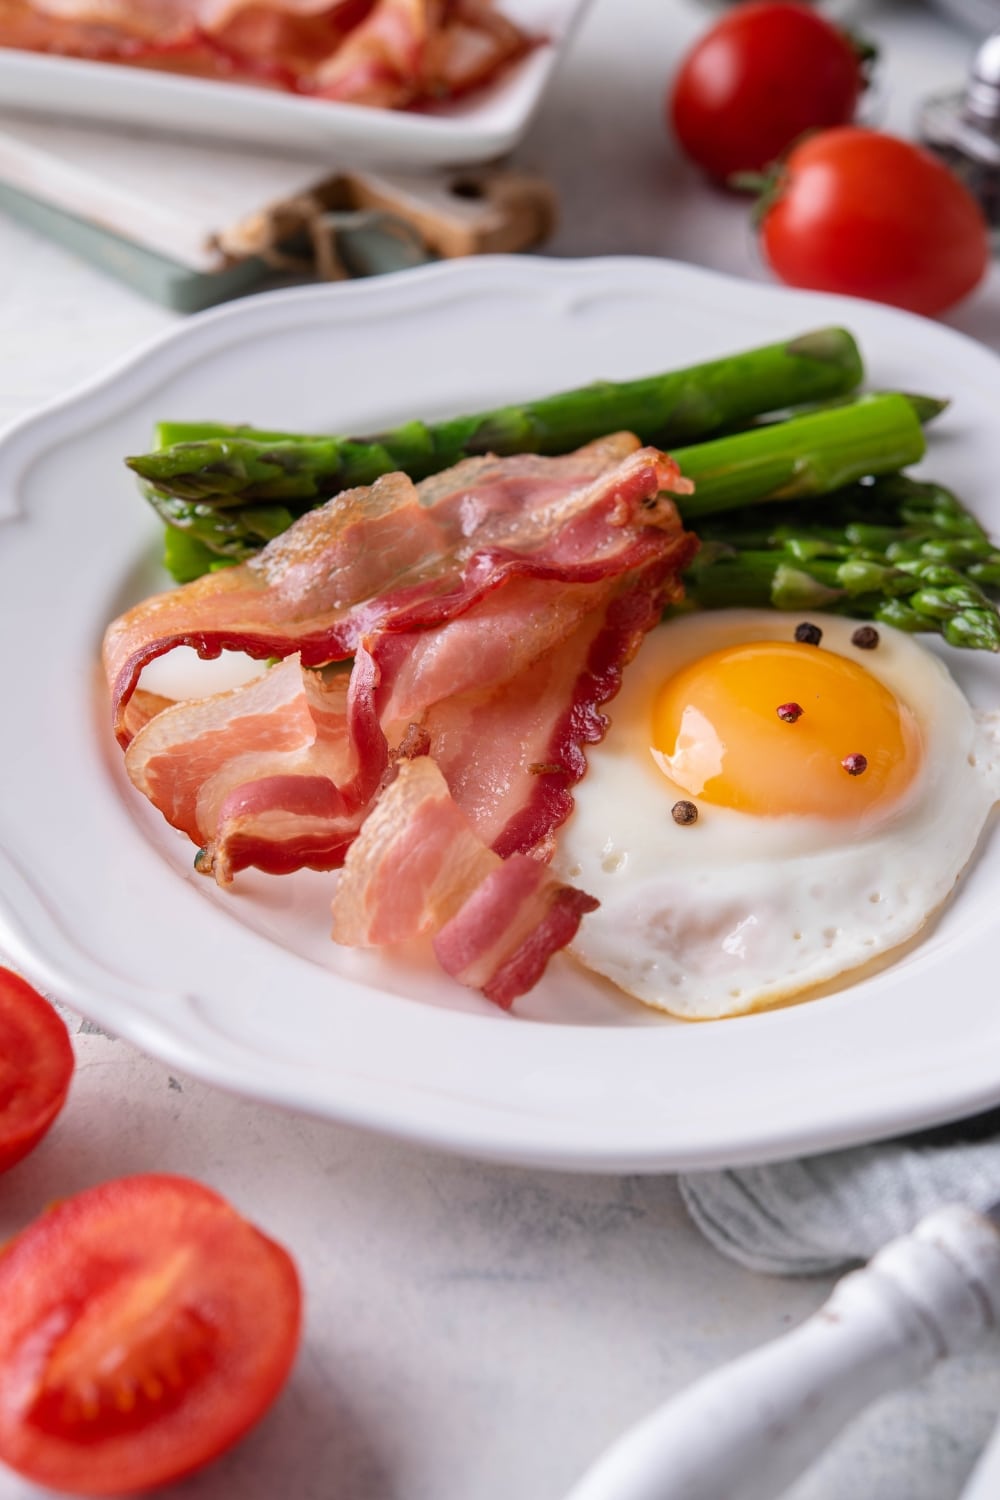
(190, 225)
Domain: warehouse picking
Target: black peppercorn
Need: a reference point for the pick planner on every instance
(865, 638)
(684, 812)
(808, 634)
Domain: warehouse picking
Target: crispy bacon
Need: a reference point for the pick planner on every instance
(214, 16)
(390, 53)
(160, 20)
(501, 940)
(382, 61)
(412, 866)
(471, 48)
(28, 29)
(407, 50)
(284, 766)
(489, 611)
(286, 44)
(417, 867)
(398, 557)
(493, 605)
(550, 713)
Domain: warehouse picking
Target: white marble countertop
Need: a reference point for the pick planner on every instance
(475, 1332)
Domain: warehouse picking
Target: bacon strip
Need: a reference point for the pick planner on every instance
(407, 50)
(417, 867)
(283, 768)
(84, 35)
(382, 61)
(162, 20)
(413, 864)
(475, 43)
(282, 44)
(503, 937)
(516, 799)
(213, 16)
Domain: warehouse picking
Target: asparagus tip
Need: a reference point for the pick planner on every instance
(829, 345)
(927, 407)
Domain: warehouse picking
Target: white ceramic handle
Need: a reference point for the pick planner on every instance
(748, 1430)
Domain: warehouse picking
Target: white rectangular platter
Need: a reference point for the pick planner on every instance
(485, 125)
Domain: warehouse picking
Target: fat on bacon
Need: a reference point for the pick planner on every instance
(488, 613)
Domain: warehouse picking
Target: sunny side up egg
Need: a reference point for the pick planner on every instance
(804, 862)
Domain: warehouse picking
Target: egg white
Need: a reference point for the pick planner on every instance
(737, 911)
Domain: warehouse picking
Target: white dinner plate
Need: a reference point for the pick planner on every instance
(99, 902)
(483, 125)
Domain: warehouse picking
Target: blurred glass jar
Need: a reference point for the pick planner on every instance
(963, 127)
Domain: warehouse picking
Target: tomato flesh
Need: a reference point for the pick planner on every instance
(36, 1066)
(143, 1338)
(758, 79)
(877, 217)
(144, 1327)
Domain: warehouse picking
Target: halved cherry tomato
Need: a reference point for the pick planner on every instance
(761, 76)
(36, 1065)
(868, 214)
(144, 1327)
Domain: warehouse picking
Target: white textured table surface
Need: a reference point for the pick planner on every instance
(475, 1332)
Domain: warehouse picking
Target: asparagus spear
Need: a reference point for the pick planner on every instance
(809, 455)
(234, 466)
(895, 517)
(171, 434)
(900, 551)
(927, 408)
(234, 533)
(806, 456)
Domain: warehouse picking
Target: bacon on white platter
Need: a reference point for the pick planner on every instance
(489, 612)
(387, 53)
(405, 50)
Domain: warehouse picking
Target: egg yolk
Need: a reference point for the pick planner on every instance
(717, 732)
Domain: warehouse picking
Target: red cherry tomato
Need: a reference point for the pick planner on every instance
(36, 1065)
(144, 1327)
(877, 217)
(763, 75)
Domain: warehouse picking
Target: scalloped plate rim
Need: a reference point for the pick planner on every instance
(485, 1132)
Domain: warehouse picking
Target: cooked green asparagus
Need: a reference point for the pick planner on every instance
(898, 550)
(806, 456)
(232, 466)
(841, 529)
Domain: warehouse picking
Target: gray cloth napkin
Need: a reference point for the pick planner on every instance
(803, 1217)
